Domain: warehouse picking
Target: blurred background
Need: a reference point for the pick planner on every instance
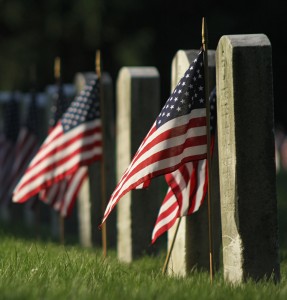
(132, 33)
(128, 33)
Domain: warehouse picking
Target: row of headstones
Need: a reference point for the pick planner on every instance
(244, 219)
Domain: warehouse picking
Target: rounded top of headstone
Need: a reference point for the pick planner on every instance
(80, 79)
(246, 40)
(139, 72)
(185, 57)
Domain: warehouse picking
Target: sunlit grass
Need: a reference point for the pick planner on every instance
(38, 270)
(31, 269)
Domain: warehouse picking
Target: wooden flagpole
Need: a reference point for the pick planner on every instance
(171, 247)
(204, 44)
(57, 74)
(103, 173)
(205, 61)
(57, 68)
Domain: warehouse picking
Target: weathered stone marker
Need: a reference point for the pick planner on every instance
(90, 211)
(191, 247)
(246, 157)
(138, 104)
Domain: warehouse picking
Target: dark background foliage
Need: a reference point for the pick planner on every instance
(128, 33)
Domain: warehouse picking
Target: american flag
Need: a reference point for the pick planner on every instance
(75, 141)
(62, 195)
(25, 148)
(177, 136)
(187, 186)
(11, 130)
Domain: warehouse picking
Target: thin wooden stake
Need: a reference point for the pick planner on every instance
(205, 61)
(57, 68)
(103, 173)
(171, 247)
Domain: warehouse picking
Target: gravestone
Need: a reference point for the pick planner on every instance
(138, 104)
(90, 205)
(245, 112)
(191, 247)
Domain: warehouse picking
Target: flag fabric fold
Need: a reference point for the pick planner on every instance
(177, 136)
(62, 195)
(187, 186)
(75, 141)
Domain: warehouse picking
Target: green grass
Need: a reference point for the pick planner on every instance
(33, 269)
(45, 270)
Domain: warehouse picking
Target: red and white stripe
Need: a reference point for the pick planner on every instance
(60, 155)
(55, 193)
(168, 213)
(186, 193)
(163, 150)
(73, 187)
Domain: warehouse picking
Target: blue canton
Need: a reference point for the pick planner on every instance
(84, 108)
(188, 94)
